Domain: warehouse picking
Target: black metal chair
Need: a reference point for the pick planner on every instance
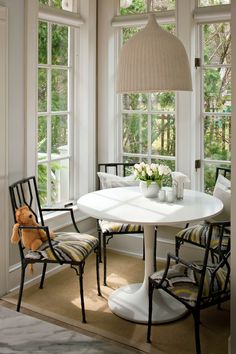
(70, 248)
(196, 285)
(106, 230)
(195, 234)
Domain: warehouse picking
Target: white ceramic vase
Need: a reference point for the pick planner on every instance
(150, 191)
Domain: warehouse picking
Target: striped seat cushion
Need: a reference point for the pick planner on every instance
(199, 234)
(69, 246)
(184, 282)
(109, 227)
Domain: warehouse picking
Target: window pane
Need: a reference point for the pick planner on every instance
(212, 2)
(60, 181)
(59, 45)
(135, 132)
(56, 3)
(163, 101)
(59, 136)
(163, 135)
(217, 90)
(42, 138)
(42, 42)
(42, 90)
(42, 184)
(59, 90)
(167, 180)
(44, 2)
(217, 43)
(163, 5)
(210, 176)
(66, 5)
(217, 138)
(134, 159)
(128, 32)
(135, 101)
(132, 6)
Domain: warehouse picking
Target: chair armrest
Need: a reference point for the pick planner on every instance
(170, 256)
(65, 209)
(46, 229)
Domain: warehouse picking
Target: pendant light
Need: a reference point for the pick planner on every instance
(153, 60)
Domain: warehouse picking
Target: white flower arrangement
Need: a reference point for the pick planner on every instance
(151, 172)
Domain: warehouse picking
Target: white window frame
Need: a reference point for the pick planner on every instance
(188, 130)
(184, 100)
(204, 15)
(69, 112)
(165, 18)
(84, 150)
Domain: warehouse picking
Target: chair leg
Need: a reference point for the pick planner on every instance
(43, 275)
(143, 248)
(23, 267)
(155, 252)
(100, 246)
(81, 271)
(150, 295)
(97, 271)
(104, 260)
(177, 246)
(196, 316)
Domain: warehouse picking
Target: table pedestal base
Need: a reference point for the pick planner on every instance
(131, 303)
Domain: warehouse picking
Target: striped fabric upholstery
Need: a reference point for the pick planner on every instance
(69, 246)
(184, 282)
(199, 234)
(112, 227)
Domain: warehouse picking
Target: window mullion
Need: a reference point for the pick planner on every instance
(49, 198)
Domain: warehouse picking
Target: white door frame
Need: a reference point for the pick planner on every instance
(4, 210)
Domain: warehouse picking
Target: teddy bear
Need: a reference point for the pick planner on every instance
(31, 239)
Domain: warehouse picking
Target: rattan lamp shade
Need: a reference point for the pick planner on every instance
(153, 60)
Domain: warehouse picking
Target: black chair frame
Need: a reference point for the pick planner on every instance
(214, 298)
(25, 192)
(119, 169)
(226, 172)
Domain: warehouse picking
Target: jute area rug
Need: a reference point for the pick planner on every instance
(60, 300)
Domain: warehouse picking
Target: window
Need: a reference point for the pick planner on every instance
(55, 112)
(216, 98)
(148, 121)
(55, 118)
(212, 2)
(155, 126)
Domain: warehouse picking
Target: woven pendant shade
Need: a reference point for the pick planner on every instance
(153, 60)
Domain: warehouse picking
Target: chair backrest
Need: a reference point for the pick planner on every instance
(122, 169)
(214, 279)
(25, 192)
(118, 168)
(225, 171)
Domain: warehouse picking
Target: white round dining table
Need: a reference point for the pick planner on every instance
(128, 205)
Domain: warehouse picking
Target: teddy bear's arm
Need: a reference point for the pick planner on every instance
(15, 238)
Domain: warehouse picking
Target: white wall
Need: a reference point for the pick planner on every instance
(15, 108)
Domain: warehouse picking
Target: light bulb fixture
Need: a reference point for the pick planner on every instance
(153, 60)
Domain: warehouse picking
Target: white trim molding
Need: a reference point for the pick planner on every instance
(31, 83)
(60, 16)
(4, 235)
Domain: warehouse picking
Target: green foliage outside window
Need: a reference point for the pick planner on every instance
(216, 49)
(53, 119)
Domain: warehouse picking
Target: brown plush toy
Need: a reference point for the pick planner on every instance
(31, 239)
